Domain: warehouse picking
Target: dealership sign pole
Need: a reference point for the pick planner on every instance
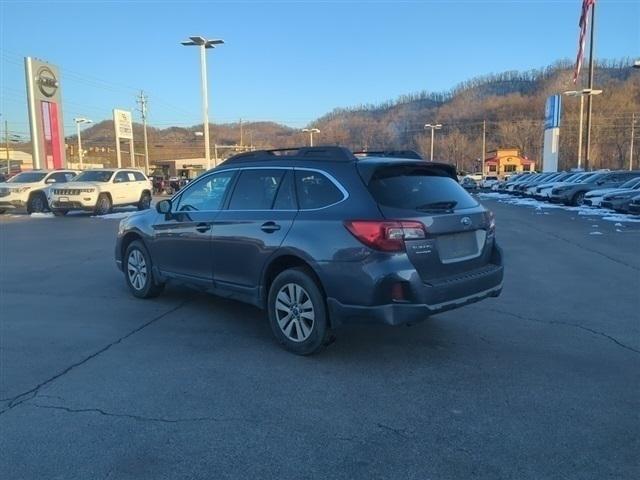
(44, 100)
(124, 129)
(551, 133)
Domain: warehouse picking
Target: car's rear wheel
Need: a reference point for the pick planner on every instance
(37, 203)
(103, 204)
(145, 201)
(138, 272)
(298, 312)
(578, 199)
(60, 213)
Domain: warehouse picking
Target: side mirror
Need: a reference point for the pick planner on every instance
(50, 180)
(163, 206)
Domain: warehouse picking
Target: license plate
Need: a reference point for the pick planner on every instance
(457, 245)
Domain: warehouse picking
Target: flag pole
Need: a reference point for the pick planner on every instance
(587, 156)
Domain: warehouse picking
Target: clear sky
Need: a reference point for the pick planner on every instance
(287, 61)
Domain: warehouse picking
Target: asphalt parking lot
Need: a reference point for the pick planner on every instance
(541, 383)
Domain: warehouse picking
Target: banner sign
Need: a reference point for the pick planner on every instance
(552, 112)
(44, 100)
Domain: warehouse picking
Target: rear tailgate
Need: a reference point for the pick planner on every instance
(458, 237)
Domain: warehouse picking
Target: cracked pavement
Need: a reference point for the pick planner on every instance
(542, 382)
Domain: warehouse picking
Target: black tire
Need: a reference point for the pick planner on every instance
(145, 201)
(578, 199)
(141, 286)
(2, 211)
(103, 204)
(60, 213)
(37, 203)
(318, 333)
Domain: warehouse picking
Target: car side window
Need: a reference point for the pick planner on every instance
(316, 190)
(138, 176)
(256, 189)
(206, 193)
(121, 177)
(286, 196)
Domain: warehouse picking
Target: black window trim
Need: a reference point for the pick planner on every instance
(234, 180)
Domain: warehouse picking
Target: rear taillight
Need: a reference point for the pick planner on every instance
(388, 236)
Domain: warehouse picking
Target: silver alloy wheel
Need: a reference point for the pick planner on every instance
(294, 312)
(137, 269)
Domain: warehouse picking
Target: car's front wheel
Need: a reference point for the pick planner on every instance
(37, 203)
(138, 271)
(578, 199)
(145, 201)
(103, 205)
(298, 312)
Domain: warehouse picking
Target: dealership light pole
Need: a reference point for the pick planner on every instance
(311, 131)
(204, 44)
(80, 121)
(433, 128)
(581, 93)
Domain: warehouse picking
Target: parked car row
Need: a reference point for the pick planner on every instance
(60, 191)
(616, 190)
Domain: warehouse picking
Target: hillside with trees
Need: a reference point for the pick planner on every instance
(511, 104)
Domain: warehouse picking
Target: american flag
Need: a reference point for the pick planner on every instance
(584, 21)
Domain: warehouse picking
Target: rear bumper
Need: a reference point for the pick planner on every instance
(431, 299)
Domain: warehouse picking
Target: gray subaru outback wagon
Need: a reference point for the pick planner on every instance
(319, 238)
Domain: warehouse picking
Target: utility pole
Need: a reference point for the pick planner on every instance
(587, 151)
(433, 128)
(142, 101)
(633, 123)
(240, 132)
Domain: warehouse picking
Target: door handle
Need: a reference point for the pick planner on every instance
(270, 227)
(203, 227)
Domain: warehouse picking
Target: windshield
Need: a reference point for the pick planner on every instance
(27, 177)
(94, 176)
(593, 178)
(415, 188)
(631, 183)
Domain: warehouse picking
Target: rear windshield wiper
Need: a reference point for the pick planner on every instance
(438, 206)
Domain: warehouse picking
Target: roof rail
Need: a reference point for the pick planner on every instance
(389, 153)
(331, 153)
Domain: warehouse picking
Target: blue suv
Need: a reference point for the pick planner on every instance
(319, 237)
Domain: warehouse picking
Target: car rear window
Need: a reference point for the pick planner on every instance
(415, 188)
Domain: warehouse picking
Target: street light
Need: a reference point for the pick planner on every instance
(204, 44)
(80, 121)
(581, 93)
(311, 131)
(433, 128)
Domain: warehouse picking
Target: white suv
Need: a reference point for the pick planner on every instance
(30, 190)
(101, 190)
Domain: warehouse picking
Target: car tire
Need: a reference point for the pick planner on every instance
(578, 199)
(145, 201)
(298, 313)
(60, 213)
(138, 271)
(37, 203)
(2, 211)
(103, 204)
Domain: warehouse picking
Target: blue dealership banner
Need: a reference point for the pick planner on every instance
(552, 112)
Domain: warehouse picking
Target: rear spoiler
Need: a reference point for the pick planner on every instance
(368, 170)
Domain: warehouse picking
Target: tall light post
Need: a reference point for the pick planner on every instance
(80, 121)
(581, 93)
(204, 44)
(433, 128)
(311, 131)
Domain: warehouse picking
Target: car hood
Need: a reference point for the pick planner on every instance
(601, 192)
(70, 185)
(618, 191)
(15, 186)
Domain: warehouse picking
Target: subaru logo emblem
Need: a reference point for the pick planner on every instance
(466, 222)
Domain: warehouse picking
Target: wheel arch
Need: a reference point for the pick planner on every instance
(279, 264)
